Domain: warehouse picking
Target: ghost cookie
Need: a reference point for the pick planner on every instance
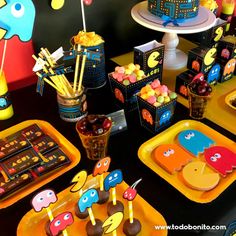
(171, 157)
(196, 177)
(194, 141)
(220, 159)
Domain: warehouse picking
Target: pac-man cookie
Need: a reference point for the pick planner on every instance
(171, 157)
(194, 141)
(221, 159)
(195, 177)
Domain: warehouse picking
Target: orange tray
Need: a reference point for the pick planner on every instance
(33, 223)
(170, 136)
(70, 150)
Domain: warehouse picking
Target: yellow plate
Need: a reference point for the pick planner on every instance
(169, 136)
(70, 150)
(33, 223)
(230, 97)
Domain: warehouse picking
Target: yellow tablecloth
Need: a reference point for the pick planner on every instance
(218, 111)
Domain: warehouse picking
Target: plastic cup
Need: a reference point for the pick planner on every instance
(72, 109)
(94, 144)
(197, 105)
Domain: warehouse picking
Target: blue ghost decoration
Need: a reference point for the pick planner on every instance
(165, 117)
(3, 102)
(17, 18)
(114, 178)
(213, 74)
(88, 199)
(194, 141)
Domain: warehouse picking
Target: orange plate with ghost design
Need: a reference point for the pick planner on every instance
(68, 148)
(169, 136)
(33, 223)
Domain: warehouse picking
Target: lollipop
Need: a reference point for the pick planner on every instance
(131, 226)
(60, 222)
(114, 178)
(112, 223)
(100, 168)
(94, 226)
(79, 181)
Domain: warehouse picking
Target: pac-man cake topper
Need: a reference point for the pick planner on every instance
(229, 67)
(112, 222)
(43, 199)
(114, 178)
(220, 159)
(196, 177)
(194, 141)
(88, 199)
(79, 181)
(130, 193)
(17, 18)
(171, 157)
(209, 58)
(101, 166)
(60, 222)
(214, 74)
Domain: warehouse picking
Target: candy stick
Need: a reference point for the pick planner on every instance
(49, 211)
(113, 191)
(91, 216)
(101, 179)
(83, 15)
(82, 70)
(131, 214)
(76, 68)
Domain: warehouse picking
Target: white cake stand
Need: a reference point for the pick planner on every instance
(173, 58)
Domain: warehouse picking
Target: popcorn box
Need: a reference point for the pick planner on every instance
(125, 95)
(150, 57)
(212, 36)
(227, 48)
(182, 82)
(94, 71)
(227, 69)
(155, 118)
(201, 59)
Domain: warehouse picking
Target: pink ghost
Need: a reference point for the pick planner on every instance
(43, 199)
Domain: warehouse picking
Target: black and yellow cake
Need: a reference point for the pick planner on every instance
(175, 9)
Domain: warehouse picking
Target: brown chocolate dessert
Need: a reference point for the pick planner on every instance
(94, 230)
(103, 196)
(111, 209)
(79, 214)
(132, 229)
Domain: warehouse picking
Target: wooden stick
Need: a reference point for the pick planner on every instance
(113, 195)
(76, 68)
(131, 214)
(101, 182)
(49, 211)
(82, 70)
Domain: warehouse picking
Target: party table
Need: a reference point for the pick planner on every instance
(123, 148)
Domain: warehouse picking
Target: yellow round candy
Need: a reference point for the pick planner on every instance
(128, 71)
(151, 93)
(131, 66)
(140, 73)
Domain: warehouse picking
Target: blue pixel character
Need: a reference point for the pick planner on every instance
(165, 117)
(214, 74)
(114, 178)
(88, 199)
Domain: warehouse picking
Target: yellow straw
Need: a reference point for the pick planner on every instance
(91, 216)
(131, 214)
(49, 213)
(82, 70)
(101, 182)
(114, 233)
(80, 192)
(64, 232)
(76, 68)
(113, 195)
(48, 57)
(3, 56)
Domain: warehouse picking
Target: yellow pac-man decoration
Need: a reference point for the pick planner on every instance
(209, 57)
(57, 4)
(152, 59)
(79, 180)
(112, 222)
(219, 33)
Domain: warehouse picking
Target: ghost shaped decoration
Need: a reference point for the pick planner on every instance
(17, 18)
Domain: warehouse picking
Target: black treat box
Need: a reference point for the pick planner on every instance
(125, 96)
(227, 48)
(212, 36)
(227, 69)
(182, 82)
(201, 59)
(154, 118)
(150, 57)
